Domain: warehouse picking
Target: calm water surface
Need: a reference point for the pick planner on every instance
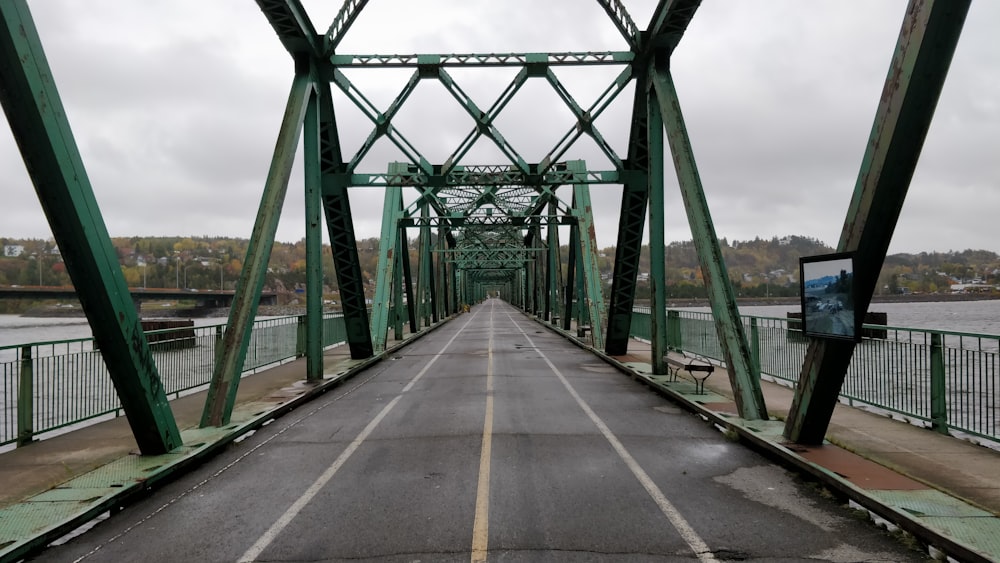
(981, 317)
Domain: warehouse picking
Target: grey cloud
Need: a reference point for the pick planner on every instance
(176, 106)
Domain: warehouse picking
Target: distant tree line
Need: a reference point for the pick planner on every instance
(757, 268)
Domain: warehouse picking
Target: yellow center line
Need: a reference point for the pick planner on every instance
(481, 525)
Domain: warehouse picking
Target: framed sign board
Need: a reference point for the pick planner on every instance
(828, 292)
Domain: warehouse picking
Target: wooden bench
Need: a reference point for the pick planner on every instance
(699, 367)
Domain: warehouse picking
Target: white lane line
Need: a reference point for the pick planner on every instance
(272, 533)
(481, 524)
(681, 524)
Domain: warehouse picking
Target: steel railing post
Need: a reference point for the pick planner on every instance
(25, 398)
(755, 345)
(939, 404)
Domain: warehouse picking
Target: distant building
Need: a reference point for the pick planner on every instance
(13, 250)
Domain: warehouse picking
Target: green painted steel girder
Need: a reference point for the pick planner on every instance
(38, 120)
(232, 352)
(743, 375)
(403, 252)
(314, 239)
(631, 222)
(291, 22)
(572, 265)
(622, 20)
(484, 121)
(587, 58)
(349, 12)
(484, 175)
(670, 20)
(593, 295)
(657, 246)
(386, 267)
(585, 119)
(923, 53)
(340, 227)
(382, 121)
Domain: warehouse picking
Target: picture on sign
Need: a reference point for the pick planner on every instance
(828, 296)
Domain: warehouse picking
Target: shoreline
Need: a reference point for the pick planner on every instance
(911, 298)
(288, 310)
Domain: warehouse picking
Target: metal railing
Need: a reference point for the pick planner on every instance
(944, 380)
(48, 386)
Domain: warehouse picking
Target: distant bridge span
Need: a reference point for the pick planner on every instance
(204, 298)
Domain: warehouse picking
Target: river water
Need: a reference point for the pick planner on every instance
(981, 317)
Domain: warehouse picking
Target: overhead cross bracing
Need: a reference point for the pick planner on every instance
(495, 206)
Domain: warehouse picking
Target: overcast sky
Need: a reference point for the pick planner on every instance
(176, 105)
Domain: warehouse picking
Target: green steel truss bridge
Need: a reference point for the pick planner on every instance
(480, 228)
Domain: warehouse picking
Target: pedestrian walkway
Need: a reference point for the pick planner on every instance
(942, 489)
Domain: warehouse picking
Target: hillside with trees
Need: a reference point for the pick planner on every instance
(758, 268)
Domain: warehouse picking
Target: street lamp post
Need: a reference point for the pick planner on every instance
(144, 275)
(177, 273)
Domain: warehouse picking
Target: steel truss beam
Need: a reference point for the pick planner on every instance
(923, 53)
(635, 195)
(38, 120)
(341, 24)
(291, 22)
(232, 351)
(485, 175)
(588, 58)
(744, 376)
(670, 20)
(622, 20)
(386, 267)
(592, 295)
(340, 226)
(314, 239)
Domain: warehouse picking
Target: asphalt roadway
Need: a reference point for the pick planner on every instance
(490, 439)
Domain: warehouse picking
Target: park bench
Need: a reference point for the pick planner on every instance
(699, 367)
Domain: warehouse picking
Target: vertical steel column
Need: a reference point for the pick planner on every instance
(555, 263)
(425, 282)
(939, 387)
(631, 222)
(403, 252)
(588, 253)
(927, 40)
(736, 353)
(314, 241)
(453, 277)
(26, 398)
(657, 248)
(574, 244)
(397, 291)
(38, 120)
(340, 228)
(385, 276)
(230, 356)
